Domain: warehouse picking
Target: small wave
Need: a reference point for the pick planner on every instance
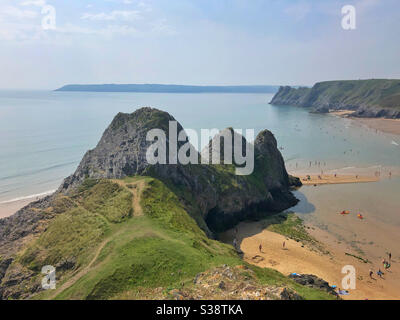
(29, 197)
(395, 143)
(375, 167)
(33, 172)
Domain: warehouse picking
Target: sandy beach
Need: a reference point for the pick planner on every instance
(341, 113)
(8, 209)
(391, 126)
(384, 125)
(302, 259)
(332, 179)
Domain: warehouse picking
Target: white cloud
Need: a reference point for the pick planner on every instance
(16, 13)
(113, 15)
(108, 31)
(38, 3)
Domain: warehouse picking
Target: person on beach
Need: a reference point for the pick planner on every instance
(260, 247)
(379, 273)
(371, 272)
(283, 244)
(390, 256)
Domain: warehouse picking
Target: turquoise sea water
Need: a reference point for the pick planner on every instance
(43, 134)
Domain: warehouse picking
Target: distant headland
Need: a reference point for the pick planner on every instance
(373, 98)
(168, 88)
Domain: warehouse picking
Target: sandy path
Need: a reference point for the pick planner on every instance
(136, 188)
(339, 179)
(81, 273)
(304, 260)
(137, 211)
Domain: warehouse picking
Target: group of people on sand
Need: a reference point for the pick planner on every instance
(283, 246)
(386, 264)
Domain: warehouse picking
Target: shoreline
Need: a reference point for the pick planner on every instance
(391, 126)
(10, 208)
(335, 179)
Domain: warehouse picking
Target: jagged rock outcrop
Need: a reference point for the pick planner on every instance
(219, 196)
(368, 98)
(122, 148)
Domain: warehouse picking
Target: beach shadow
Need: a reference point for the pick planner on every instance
(304, 206)
(257, 228)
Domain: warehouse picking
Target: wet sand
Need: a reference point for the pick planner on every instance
(385, 125)
(341, 113)
(338, 179)
(307, 260)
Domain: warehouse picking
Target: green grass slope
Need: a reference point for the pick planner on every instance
(114, 252)
(375, 93)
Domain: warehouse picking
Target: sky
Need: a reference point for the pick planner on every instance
(199, 42)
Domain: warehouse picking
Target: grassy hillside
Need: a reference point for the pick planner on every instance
(104, 247)
(377, 93)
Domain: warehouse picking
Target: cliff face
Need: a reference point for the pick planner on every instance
(214, 189)
(121, 150)
(368, 98)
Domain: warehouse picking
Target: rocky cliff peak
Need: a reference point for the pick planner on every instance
(221, 198)
(122, 148)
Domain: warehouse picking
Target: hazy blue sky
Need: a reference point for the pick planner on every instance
(196, 42)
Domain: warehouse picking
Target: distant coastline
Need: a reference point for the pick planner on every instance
(167, 88)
